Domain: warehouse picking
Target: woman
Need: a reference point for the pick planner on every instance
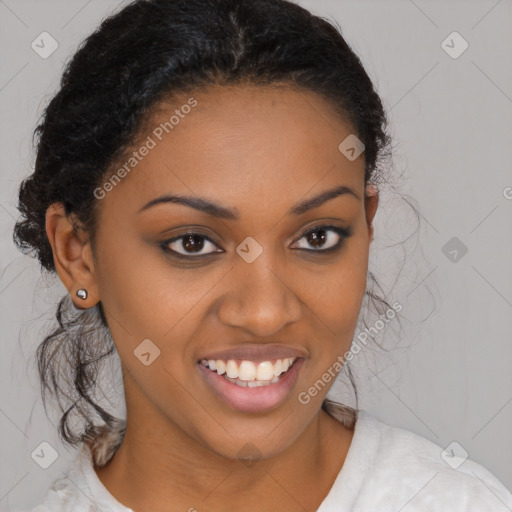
(205, 185)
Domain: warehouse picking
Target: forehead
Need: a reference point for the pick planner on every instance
(230, 142)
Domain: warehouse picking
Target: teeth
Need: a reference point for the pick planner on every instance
(221, 366)
(252, 383)
(278, 368)
(232, 369)
(247, 370)
(265, 371)
(250, 373)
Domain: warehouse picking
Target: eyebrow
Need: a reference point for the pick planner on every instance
(216, 210)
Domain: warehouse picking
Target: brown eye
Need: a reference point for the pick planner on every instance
(324, 238)
(189, 244)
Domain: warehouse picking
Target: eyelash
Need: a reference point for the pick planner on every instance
(343, 233)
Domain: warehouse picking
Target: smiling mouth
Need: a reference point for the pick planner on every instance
(250, 374)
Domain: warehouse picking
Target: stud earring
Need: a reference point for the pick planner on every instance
(82, 293)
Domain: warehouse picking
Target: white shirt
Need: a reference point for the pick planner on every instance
(387, 469)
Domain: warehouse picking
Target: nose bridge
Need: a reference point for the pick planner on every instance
(260, 298)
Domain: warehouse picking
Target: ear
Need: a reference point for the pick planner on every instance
(72, 254)
(371, 202)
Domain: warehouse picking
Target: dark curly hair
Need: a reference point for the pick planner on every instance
(139, 56)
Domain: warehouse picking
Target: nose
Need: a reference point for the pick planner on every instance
(260, 298)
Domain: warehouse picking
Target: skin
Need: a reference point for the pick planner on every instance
(260, 150)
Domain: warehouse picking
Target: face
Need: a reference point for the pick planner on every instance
(275, 283)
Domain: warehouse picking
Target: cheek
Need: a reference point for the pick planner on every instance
(139, 287)
(336, 301)
(147, 298)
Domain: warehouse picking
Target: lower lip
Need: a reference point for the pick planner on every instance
(257, 399)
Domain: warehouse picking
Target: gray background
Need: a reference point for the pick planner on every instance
(446, 375)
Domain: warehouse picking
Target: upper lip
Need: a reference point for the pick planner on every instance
(261, 352)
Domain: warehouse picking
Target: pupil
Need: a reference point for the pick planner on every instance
(313, 239)
(190, 242)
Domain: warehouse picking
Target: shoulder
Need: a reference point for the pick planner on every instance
(408, 468)
(79, 490)
(61, 497)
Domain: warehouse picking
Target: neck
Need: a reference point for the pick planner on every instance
(163, 467)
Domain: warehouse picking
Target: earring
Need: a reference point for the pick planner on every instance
(82, 293)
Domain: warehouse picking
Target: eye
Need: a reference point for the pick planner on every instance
(189, 244)
(320, 236)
